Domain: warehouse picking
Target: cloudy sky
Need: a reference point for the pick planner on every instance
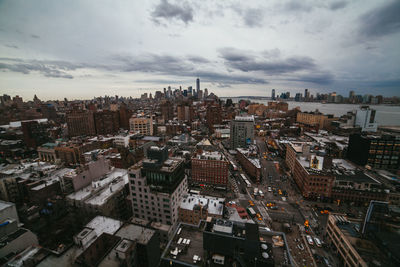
(80, 49)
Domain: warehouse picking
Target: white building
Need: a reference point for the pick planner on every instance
(122, 140)
(365, 118)
(156, 190)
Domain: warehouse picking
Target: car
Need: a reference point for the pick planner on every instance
(269, 189)
(274, 208)
(309, 240)
(318, 242)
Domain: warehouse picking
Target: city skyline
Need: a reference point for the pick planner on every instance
(79, 50)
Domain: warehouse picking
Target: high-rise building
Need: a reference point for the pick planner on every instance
(124, 116)
(242, 131)
(210, 168)
(205, 93)
(142, 125)
(106, 122)
(273, 94)
(80, 122)
(157, 186)
(306, 94)
(213, 115)
(167, 110)
(185, 112)
(365, 118)
(379, 152)
(34, 133)
(197, 85)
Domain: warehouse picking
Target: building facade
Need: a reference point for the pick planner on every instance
(142, 125)
(157, 187)
(80, 122)
(242, 131)
(379, 152)
(210, 168)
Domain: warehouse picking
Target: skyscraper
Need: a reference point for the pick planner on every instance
(306, 94)
(197, 85)
(273, 94)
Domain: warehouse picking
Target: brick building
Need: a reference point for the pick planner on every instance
(250, 163)
(167, 110)
(106, 122)
(210, 168)
(315, 119)
(80, 122)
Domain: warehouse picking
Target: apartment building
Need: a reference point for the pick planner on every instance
(242, 131)
(142, 125)
(157, 185)
(210, 168)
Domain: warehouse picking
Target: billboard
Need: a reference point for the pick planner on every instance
(316, 162)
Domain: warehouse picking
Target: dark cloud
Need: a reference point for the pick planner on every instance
(252, 17)
(167, 11)
(26, 68)
(381, 21)
(244, 61)
(337, 5)
(198, 59)
(297, 6)
(387, 83)
(321, 78)
(54, 69)
(35, 36)
(178, 67)
(11, 46)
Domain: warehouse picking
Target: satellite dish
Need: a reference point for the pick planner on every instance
(264, 246)
(265, 255)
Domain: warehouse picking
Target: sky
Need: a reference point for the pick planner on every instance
(81, 49)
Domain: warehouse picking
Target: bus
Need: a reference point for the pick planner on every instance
(251, 211)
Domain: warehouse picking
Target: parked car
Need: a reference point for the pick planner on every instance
(309, 240)
(318, 242)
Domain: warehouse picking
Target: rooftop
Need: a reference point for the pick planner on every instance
(211, 155)
(86, 192)
(137, 233)
(102, 224)
(185, 245)
(214, 205)
(248, 153)
(245, 118)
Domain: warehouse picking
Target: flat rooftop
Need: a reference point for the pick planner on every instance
(102, 224)
(244, 118)
(214, 205)
(5, 205)
(194, 248)
(87, 192)
(137, 233)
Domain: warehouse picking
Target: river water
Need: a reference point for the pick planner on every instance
(385, 115)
